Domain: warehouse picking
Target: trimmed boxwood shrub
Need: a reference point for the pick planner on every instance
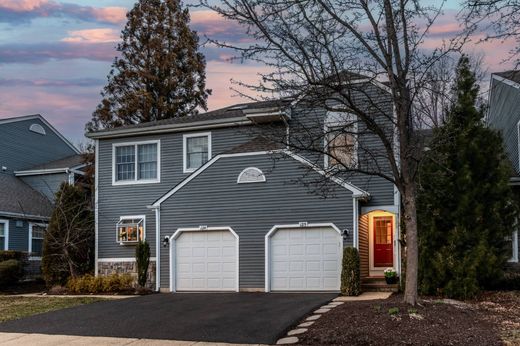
(88, 284)
(350, 273)
(11, 271)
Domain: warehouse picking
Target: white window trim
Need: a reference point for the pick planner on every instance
(136, 181)
(31, 224)
(130, 217)
(5, 222)
(185, 149)
(328, 124)
(262, 176)
(518, 142)
(514, 239)
(267, 244)
(173, 238)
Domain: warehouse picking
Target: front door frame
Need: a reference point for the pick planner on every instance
(379, 271)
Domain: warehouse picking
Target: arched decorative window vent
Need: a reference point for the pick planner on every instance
(251, 175)
(37, 128)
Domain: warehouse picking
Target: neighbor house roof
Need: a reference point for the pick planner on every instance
(42, 119)
(259, 143)
(511, 75)
(72, 161)
(19, 199)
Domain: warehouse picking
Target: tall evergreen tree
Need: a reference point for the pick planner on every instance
(160, 74)
(466, 207)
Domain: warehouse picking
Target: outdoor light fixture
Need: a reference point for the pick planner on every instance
(166, 241)
(345, 233)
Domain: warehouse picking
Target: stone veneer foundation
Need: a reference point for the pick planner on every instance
(109, 268)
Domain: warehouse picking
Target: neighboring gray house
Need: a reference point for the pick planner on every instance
(504, 115)
(224, 208)
(34, 160)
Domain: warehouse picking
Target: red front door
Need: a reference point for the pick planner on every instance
(383, 241)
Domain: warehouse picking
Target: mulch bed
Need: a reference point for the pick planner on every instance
(25, 287)
(391, 322)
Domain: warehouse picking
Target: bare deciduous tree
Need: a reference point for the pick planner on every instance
(323, 51)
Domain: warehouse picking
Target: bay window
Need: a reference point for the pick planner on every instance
(136, 162)
(197, 150)
(130, 229)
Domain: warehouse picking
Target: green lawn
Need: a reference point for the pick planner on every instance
(12, 308)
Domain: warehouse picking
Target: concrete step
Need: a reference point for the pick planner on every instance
(379, 287)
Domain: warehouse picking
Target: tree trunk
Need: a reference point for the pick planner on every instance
(412, 248)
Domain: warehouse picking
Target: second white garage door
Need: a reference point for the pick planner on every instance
(305, 259)
(206, 261)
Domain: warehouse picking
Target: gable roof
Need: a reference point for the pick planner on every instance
(512, 75)
(72, 161)
(356, 192)
(19, 199)
(42, 119)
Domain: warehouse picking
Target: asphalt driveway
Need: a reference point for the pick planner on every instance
(257, 318)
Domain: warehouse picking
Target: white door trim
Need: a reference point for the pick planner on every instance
(395, 241)
(279, 227)
(173, 284)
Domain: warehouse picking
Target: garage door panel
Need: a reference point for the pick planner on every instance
(305, 259)
(206, 261)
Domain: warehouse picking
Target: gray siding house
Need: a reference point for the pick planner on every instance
(34, 160)
(504, 115)
(226, 208)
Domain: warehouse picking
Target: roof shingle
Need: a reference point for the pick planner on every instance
(18, 197)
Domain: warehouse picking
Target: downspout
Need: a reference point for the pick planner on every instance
(96, 212)
(157, 210)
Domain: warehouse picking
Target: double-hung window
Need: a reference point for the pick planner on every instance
(340, 141)
(136, 162)
(197, 150)
(37, 233)
(4, 234)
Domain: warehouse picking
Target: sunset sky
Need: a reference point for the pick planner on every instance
(55, 55)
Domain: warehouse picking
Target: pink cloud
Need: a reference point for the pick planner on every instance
(99, 35)
(19, 11)
(110, 14)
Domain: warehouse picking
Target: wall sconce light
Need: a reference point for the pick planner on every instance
(166, 241)
(345, 233)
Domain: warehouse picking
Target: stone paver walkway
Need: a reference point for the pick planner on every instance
(365, 296)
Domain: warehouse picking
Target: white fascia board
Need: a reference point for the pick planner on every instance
(505, 81)
(357, 192)
(24, 216)
(199, 171)
(41, 171)
(158, 129)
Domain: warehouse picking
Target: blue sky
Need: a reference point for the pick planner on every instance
(55, 55)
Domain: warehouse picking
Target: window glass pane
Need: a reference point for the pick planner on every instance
(342, 148)
(147, 160)
(196, 151)
(2, 230)
(125, 163)
(38, 232)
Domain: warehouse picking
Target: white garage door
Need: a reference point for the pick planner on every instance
(305, 259)
(206, 261)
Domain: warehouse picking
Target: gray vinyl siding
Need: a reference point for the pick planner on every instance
(123, 200)
(503, 115)
(46, 184)
(18, 236)
(22, 149)
(215, 199)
